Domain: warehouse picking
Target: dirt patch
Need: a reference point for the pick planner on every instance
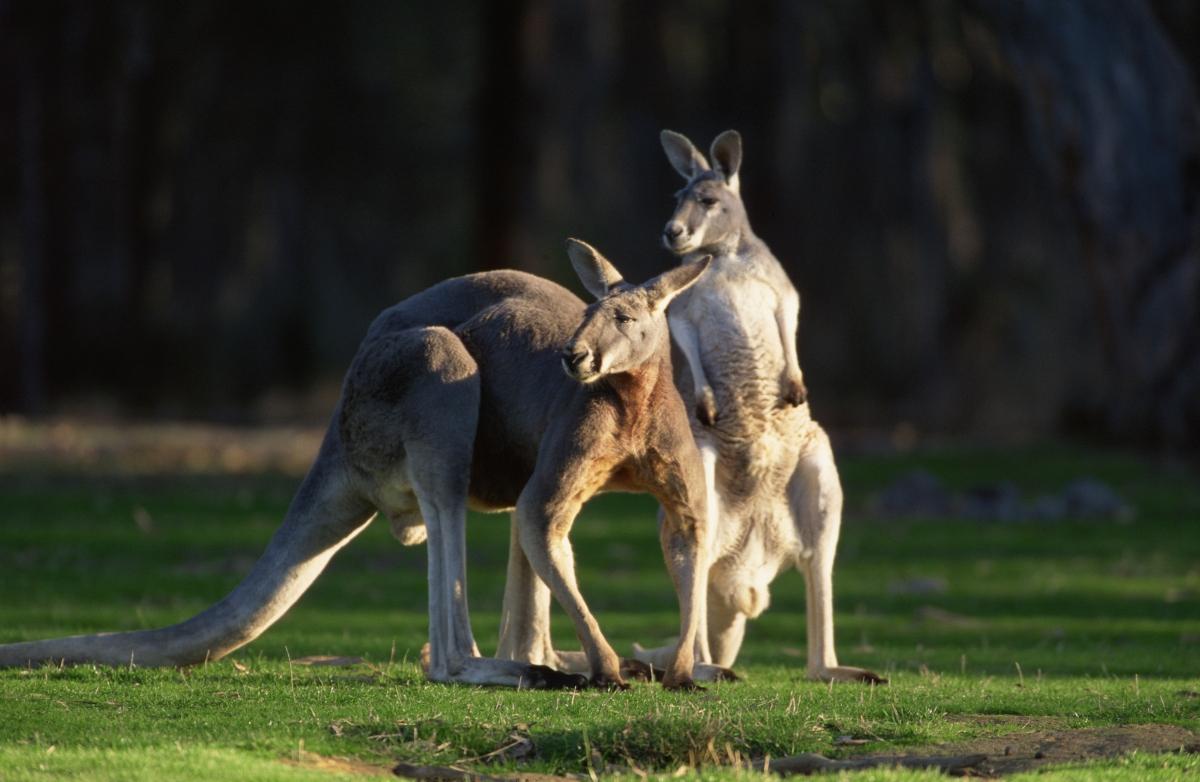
(1025, 750)
(158, 448)
(1010, 722)
(994, 756)
(316, 762)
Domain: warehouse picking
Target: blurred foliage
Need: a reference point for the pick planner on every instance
(211, 201)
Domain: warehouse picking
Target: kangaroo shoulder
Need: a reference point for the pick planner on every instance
(762, 264)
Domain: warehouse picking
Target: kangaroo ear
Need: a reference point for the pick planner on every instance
(682, 153)
(726, 154)
(595, 272)
(670, 284)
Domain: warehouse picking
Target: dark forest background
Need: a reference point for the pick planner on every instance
(989, 206)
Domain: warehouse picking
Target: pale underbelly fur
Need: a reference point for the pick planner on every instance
(758, 440)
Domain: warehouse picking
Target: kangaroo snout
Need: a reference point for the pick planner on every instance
(576, 360)
(673, 233)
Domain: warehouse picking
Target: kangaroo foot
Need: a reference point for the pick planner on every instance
(638, 671)
(543, 677)
(602, 681)
(714, 673)
(683, 684)
(847, 673)
(706, 406)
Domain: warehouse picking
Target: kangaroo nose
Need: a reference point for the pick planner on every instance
(673, 230)
(573, 357)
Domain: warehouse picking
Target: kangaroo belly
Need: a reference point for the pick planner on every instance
(741, 351)
(739, 339)
(754, 549)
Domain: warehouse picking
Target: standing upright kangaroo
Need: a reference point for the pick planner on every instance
(457, 397)
(774, 500)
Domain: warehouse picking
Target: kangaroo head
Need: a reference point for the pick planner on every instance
(708, 210)
(627, 324)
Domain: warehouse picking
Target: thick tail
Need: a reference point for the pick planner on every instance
(325, 515)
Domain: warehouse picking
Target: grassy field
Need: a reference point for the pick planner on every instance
(989, 632)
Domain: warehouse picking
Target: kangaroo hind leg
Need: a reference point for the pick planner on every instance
(415, 399)
(420, 402)
(815, 494)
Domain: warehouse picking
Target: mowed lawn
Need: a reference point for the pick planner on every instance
(1059, 624)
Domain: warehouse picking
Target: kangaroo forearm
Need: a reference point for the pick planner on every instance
(684, 334)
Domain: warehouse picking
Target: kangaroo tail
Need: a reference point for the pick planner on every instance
(325, 515)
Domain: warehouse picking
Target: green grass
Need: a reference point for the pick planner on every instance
(1072, 624)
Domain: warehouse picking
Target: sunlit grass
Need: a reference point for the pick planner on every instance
(1088, 623)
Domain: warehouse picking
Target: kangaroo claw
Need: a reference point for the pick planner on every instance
(706, 407)
(794, 391)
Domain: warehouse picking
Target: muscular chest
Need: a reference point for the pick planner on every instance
(733, 315)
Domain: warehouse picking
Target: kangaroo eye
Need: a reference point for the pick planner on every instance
(707, 201)
(623, 318)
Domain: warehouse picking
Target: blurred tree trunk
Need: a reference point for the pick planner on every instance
(645, 105)
(502, 152)
(1113, 116)
(135, 107)
(32, 325)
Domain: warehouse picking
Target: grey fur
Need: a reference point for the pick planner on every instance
(775, 499)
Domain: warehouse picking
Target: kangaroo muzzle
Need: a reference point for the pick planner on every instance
(577, 362)
(674, 234)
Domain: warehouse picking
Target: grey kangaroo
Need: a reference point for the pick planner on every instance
(774, 500)
(457, 397)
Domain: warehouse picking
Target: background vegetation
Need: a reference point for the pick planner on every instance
(990, 207)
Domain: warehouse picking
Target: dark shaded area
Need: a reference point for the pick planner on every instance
(990, 207)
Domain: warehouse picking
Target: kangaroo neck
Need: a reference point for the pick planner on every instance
(739, 243)
(636, 390)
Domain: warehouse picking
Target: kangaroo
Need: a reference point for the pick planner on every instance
(457, 397)
(774, 500)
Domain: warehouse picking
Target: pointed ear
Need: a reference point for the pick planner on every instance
(726, 154)
(670, 284)
(595, 272)
(682, 153)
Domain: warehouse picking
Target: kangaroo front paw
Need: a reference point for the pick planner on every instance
(706, 406)
(794, 392)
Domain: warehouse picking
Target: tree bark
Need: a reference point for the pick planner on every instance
(32, 318)
(1112, 114)
(502, 152)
